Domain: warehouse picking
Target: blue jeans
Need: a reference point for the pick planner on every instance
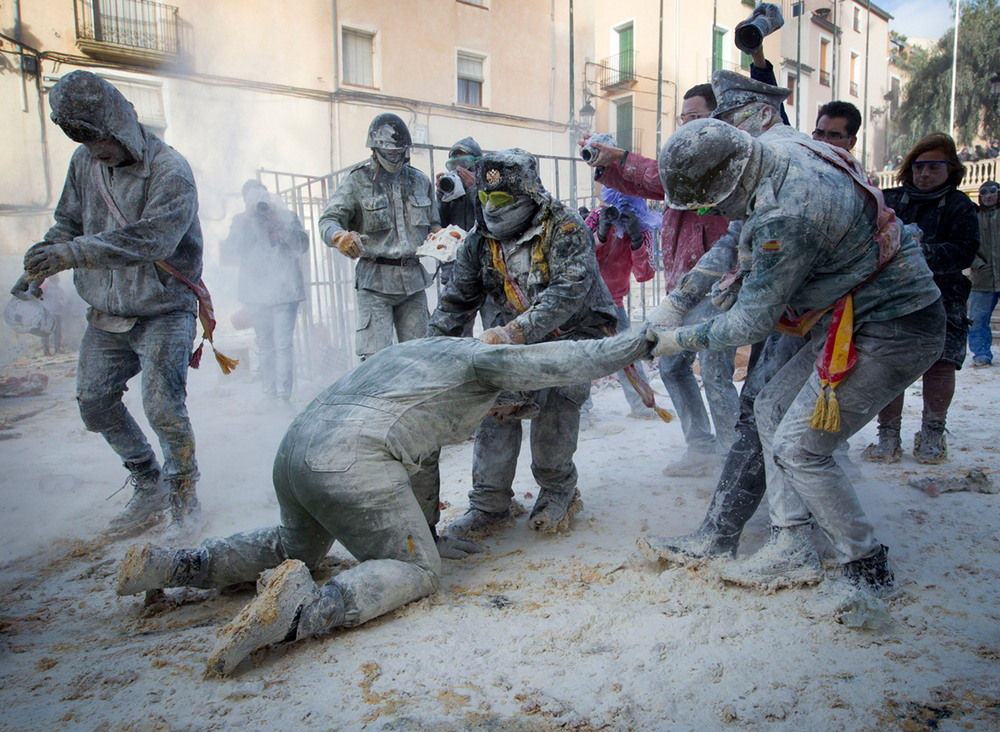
(158, 346)
(274, 326)
(717, 377)
(981, 307)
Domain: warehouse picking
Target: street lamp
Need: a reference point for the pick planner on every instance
(587, 113)
(995, 93)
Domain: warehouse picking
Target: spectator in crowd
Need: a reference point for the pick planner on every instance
(985, 276)
(949, 238)
(837, 123)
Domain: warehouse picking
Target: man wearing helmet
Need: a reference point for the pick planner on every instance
(534, 257)
(380, 215)
(842, 268)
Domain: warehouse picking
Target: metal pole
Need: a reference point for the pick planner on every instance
(659, 87)
(572, 112)
(798, 68)
(864, 107)
(836, 38)
(715, 20)
(954, 70)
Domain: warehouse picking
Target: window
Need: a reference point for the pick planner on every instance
(623, 124)
(792, 84)
(857, 19)
(626, 52)
(358, 54)
(824, 62)
(718, 47)
(470, 80)
(855, 73)
(745, 61)
(147, 100)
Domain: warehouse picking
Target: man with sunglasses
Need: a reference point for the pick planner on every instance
(127, 225)
(985, 275)
(837, 124)
(379, 215)
(535, 258)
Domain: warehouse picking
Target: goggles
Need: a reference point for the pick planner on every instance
(989, 190)
(931, 166)
(690, 116)
(499, 199)
(828, 135)
(460, 161)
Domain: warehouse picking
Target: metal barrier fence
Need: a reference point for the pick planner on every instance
(324, 336)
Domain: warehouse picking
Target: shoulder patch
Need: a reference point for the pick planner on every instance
(567, 227)
(771, 246)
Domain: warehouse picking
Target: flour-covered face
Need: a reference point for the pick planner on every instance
(508, 216)
(391, 160)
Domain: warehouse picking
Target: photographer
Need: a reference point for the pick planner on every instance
(266, 240)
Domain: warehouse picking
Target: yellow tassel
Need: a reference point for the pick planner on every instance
(228, 365)
(819, 413)
(663, 414)
(832, 421)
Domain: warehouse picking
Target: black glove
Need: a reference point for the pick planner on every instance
(633, 227)
(605, 220)
(26, 287)
(46, 259)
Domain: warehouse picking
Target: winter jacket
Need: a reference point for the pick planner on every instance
(115, 271)
(561, 281)
(618, 261)
(396, 213)
(685, 235)
(807, 251)
(986, 265)
(267, 249)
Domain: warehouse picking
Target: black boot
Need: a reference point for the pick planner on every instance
(889, 448)
(873, 573)
(929, 445)
(148, 502)
(185, 513)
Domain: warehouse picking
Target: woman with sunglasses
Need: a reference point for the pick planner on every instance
(929, 197)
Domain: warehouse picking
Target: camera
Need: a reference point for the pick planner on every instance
(263, 208)
(451, 186)
(589, 153)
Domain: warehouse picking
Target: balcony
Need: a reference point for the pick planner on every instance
(854, 88)
(139, 32)
(824, 78)
(617, 71)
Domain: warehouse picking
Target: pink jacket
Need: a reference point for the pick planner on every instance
(618, 262)
(685, 235)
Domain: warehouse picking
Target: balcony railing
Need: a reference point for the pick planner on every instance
(140, 31)
(630, 140)
(854, 88)
(617, 70)
(824, 78)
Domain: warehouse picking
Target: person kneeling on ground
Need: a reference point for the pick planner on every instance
(348, 470)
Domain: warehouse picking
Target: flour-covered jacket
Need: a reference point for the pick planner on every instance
(267, 250)
(396, 212)
(553, 265)
(408, 400)
(985, 272)
(115, 271)
(809, 230)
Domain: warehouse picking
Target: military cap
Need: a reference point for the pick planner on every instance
(512, 171)
(733, 91)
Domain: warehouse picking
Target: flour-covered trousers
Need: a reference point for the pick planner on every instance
(554, 434)
(334, 484)
(382, 315)
(802, 476)
(159, 347)
(274, 327)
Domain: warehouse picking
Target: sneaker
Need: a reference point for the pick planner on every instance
(980, 362)
(888, 450)
(788, 559)
(692, 465)
(643, 412)
(269, 619)
(476, 523)
(148, 502)
(872, 574)
(930, 446)
(700, 546)
(150, 567)
(552, 514)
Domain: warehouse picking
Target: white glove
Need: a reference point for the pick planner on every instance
(451, 547)
(666, 314)
(665, 340)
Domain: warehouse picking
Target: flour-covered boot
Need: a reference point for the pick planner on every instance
(889, 448)
(185, 514)
(929, 445)
(694, 548)
(272, 617)
(148, 502)
(873, 573)
(151, 567)
(552, 513)
(692, 465)
(788, 559)
(477, 524)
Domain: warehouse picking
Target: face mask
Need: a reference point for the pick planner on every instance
(511, 219)
(391, 160)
